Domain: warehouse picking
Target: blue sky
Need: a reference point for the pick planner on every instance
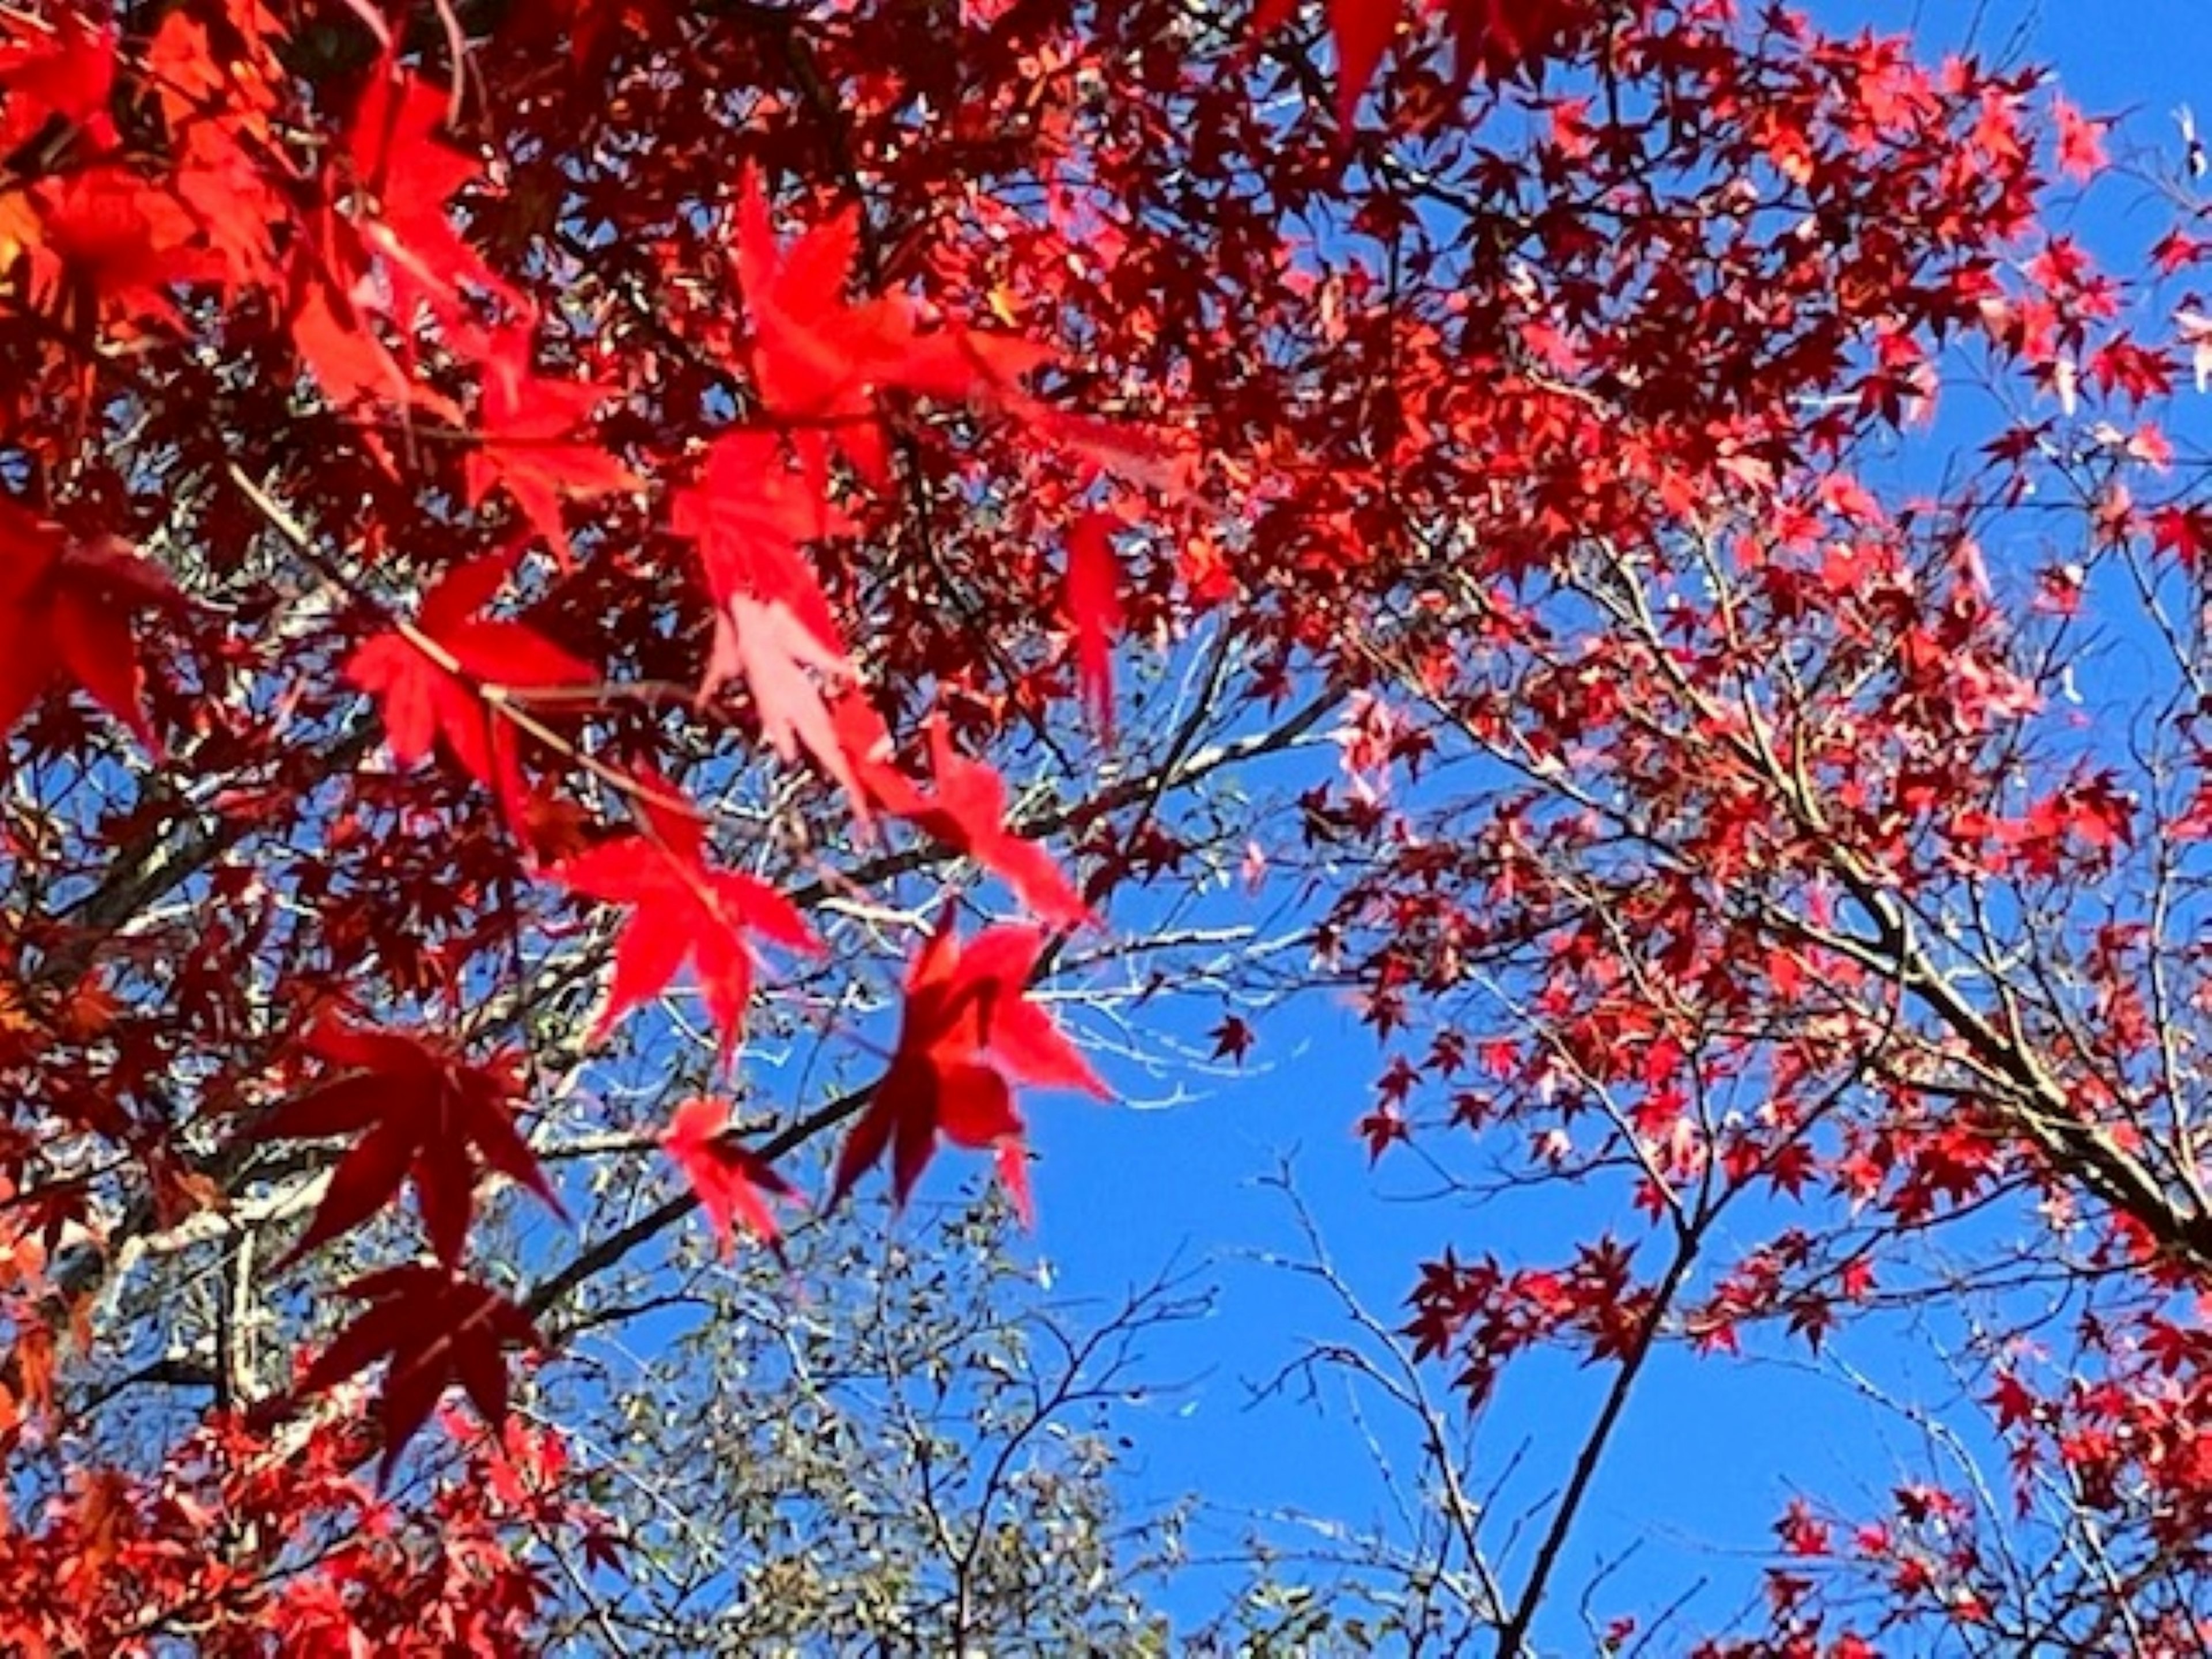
(1698, 1476)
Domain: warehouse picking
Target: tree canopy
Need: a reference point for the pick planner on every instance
(629, 623)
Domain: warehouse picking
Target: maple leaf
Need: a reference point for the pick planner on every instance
(968, 1033)
(2183, 532)
(789, 671)
(525, 446)
(1499, 37)
(405, 175)
(1380, 1129)
(772, 625)
(967, 812)
(682, 910)
(65, 607)
(821, 360)
(748, 515)
(347, 361)
(1093, 600)
(220, 102)
(436, 1329)
(90, 231)
(111, 245)
(64, 73)
(424, 700)
(732, 1183)
(2080, 140)
(1362, 30)
(1232, 1039)
(424, 1115)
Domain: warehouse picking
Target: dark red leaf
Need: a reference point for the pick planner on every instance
(436, 1329)
(424, 1115)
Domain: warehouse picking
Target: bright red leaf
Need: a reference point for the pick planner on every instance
(733, 1183)
(682, 910)
(821, 359)
(406, 174)
(423, 700)
(969, 1033)
(65, 73)
(749, 513)
(529, 446)
(966, 812)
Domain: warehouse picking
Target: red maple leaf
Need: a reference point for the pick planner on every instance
(437, 1328)
(1380, 1129)
(773, 625)
(748, 513)
(682, 910)
(821, 360)
(967, 812)
(107, 244)
(422, 700)
(405, 174)
(2080, 140)
(65, 72)
(424, 1114)
(968, 1033)
(733, 1183)
(528, 448)
(790, 673)
(1499, 37)
(65, 607)
(1362, 30)
(1092, 596)
(2183, 532)
(1233, 1038)
(348, 361)
(219, 98)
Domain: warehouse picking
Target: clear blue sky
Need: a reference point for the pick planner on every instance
(1698, 1475)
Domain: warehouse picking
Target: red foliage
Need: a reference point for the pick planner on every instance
(675, 420)
(424, 1115)
(732, 1181)
(969, 1032)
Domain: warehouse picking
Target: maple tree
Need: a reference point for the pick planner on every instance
(515, 517)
